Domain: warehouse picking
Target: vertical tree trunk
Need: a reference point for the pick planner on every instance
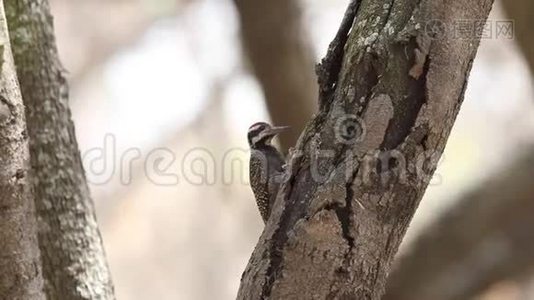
(74, 264)
(282, 60)
(20, 268)
(390, 89)
(487, 236)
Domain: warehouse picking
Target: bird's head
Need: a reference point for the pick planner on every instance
(261, 134)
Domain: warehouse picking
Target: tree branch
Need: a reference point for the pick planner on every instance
(362, 165)
(494, 215)
(282, 60)
(20, 267)
(328, 70)
(73, 258)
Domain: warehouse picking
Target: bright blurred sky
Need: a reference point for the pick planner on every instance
(154, 87)
(163, 81)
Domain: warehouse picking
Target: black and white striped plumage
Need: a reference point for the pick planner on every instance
(266, 166)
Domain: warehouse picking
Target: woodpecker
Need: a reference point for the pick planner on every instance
(266, 166)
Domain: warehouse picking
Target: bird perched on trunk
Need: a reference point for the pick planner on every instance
(266, 166)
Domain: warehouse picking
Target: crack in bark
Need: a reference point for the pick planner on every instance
(330, 66)
(328, 73)
(406, 112)
(343, 214)
(287, 221)
(355, 249)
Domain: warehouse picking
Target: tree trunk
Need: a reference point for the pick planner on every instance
(390, 89)
(488, 233)
(20, 267)
(282, 60)
(487, 237)
(73, 258)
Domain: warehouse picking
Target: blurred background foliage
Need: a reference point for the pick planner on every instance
(184, 75)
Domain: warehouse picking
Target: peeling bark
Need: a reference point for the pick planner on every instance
(20, 267)
(362, 164)
(73, 258)
(486, 238)
(281, 57)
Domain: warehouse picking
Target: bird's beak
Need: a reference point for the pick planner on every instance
(276, 130)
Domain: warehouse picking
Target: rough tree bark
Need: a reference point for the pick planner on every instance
(487, 234)
(73, 258)
(391, 86)
(20, 267)
(486, 238)
(282, 60)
